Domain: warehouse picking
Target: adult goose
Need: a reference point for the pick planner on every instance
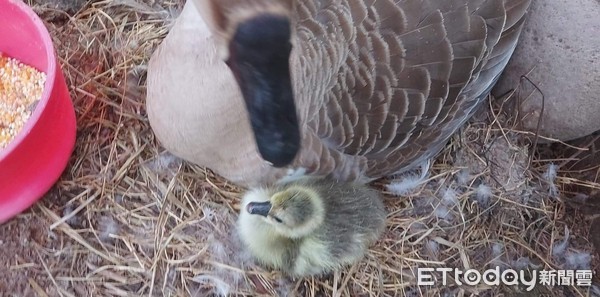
(353, 89)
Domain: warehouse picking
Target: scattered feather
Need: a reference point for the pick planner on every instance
(443, 213)
(559, 248)
(448, 201)
(577, 260)
(406, 186)
(292, 175)
(463, 177)
(483, 194)
(164, 163)
(224, 251)
(497, 249)
(284, 287)
(409, 182)
(107, 227)
(221, 288)
(209, 213)
(550, 177)
(119, 198)
(521, 263)
(450, 197)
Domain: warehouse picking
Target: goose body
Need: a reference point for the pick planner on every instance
(311, 225)
(377, 86)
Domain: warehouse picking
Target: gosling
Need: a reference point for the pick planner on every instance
(311, 226)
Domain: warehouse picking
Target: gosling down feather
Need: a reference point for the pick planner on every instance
(355, 90)
(311, 226)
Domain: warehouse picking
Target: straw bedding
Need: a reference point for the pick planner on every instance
(128, 219)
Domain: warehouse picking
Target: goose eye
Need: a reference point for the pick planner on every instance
(278, 220)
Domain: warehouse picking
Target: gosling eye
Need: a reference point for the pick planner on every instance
(278, 220)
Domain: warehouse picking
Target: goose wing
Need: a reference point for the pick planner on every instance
(382, 84)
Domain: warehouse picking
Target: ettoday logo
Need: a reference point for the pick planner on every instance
(509, 277)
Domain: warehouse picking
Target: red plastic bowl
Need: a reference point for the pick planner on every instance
(32, 163)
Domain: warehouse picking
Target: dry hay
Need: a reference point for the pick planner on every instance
(127, 219)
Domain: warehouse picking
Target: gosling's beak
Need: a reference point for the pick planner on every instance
(259, 208)
(259, 54)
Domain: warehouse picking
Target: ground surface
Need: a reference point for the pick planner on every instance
(127, 219)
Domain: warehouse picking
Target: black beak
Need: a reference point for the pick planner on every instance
(259, 208)
(259, 55)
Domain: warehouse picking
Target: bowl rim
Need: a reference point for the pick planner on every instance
(50, 77)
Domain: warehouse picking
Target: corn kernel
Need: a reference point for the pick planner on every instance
(20, 87)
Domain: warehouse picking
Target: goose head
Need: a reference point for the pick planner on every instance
(254, 39)
(293, 213)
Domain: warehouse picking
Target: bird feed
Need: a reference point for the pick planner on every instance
(21, 86)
